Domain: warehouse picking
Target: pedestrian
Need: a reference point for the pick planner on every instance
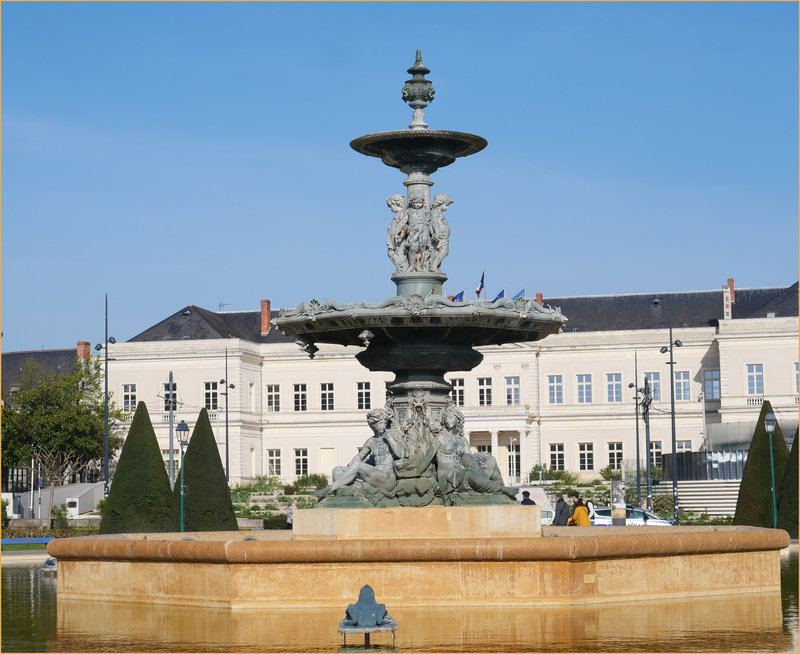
(562, 512)
(290, 514)
(580, 514)
(590, 509)
(526, 498)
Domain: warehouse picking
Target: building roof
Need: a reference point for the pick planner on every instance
(59, 361)
(588, 313)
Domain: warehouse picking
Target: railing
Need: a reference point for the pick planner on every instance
(755, 400)
(495, 410)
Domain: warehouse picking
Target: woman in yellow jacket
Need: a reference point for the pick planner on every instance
(580, 514)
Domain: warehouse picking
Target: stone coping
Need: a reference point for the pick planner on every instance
(581, 544)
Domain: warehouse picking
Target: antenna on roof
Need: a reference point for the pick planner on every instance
(223, 304)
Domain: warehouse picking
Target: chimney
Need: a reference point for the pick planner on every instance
(728, 299)
(265, 317)
(84, 347)
(539, 299)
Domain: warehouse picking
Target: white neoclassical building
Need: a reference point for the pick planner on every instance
(565, 401)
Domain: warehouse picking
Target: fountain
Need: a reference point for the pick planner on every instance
(415, 515)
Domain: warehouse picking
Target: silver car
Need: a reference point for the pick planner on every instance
(633, 518)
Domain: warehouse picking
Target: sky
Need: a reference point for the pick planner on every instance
(167, 154)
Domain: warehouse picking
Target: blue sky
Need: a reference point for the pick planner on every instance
(198, 153)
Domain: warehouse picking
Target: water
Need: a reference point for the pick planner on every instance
(758, 623)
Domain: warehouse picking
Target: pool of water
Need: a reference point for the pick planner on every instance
(33, 622)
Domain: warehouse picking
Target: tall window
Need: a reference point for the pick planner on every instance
(615, 456)
(796, 377)
(584, 389)
(129, 397)
(210, 395)
(655, 453)
(274, 463)
(711, 384)
(300, 397)
(364, 399)
(326, 396)
(170, 396)
(301, 461)
(683, 446)
(513, 460)
(484, 391)
(654, 382)
(458, 391)
(273, 398)
(586, 456)
(755, 379)
(512, 391)
(682, 385)
(556, 456)
(484, 449)
(614, 383)
(555, 389)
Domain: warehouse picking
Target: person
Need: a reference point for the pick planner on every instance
(526, 499)
(590, 509)
(290, 514)
(397, 231)
(561, 515)
(418, 234)
(383, 447)
(441, 230)
(580, 514)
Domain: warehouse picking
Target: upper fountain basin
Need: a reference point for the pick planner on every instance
(418, 148)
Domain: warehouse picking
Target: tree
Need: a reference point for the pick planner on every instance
(140, 499)
(58, 421)
(754, 506)
(787, 498)
(207, 498)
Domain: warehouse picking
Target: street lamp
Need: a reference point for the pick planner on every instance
(183, 439)
(647, 400)
(226, 386)
(671, 362)
(98, 347)
(769, 424)
(638, 462)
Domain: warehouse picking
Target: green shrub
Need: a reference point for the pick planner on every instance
(568, 478)
(290, 489)
(101, 507)
(547, 474)
(315, 481)
(275, 521)
(59, 517)
(787, 499)
(4, 515)
(610, 474)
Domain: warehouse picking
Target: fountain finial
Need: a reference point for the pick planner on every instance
(418, 92)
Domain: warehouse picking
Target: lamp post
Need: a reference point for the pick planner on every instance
(183, 439)
(226, 386)
(769, 424)
(98, 347)
(671, 363)
(636, 414)
(647, 399)
(702, 399)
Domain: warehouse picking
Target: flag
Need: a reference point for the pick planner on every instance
(499, 295)
(458, 297)
(519, 295)
(480, 286)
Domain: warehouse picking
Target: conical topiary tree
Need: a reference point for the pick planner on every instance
(754, 506)
(787, 499)
(207, 499)
(140, 499)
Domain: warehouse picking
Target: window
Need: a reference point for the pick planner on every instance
(273, 398)
(682, 385)
(364, 400)
(755, 379)
(615, 456)
(458, 391)
(484, 391)
(129, 397)
(586, 456)
(556, 456)
(300, 397)
(683, 446)
(210, 395)
(655, 453)
(555, 388)
(584, 389)
(274, 463)
(176, 461)
(170, 396)
(654, 382)
(614, 382)
(326, 397)
(484, 449)
(796, 377)
(512, 391)
(513, 460)
(301, 461)
(711, 384)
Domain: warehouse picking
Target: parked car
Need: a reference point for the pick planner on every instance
(547, 517)
(633, 518)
